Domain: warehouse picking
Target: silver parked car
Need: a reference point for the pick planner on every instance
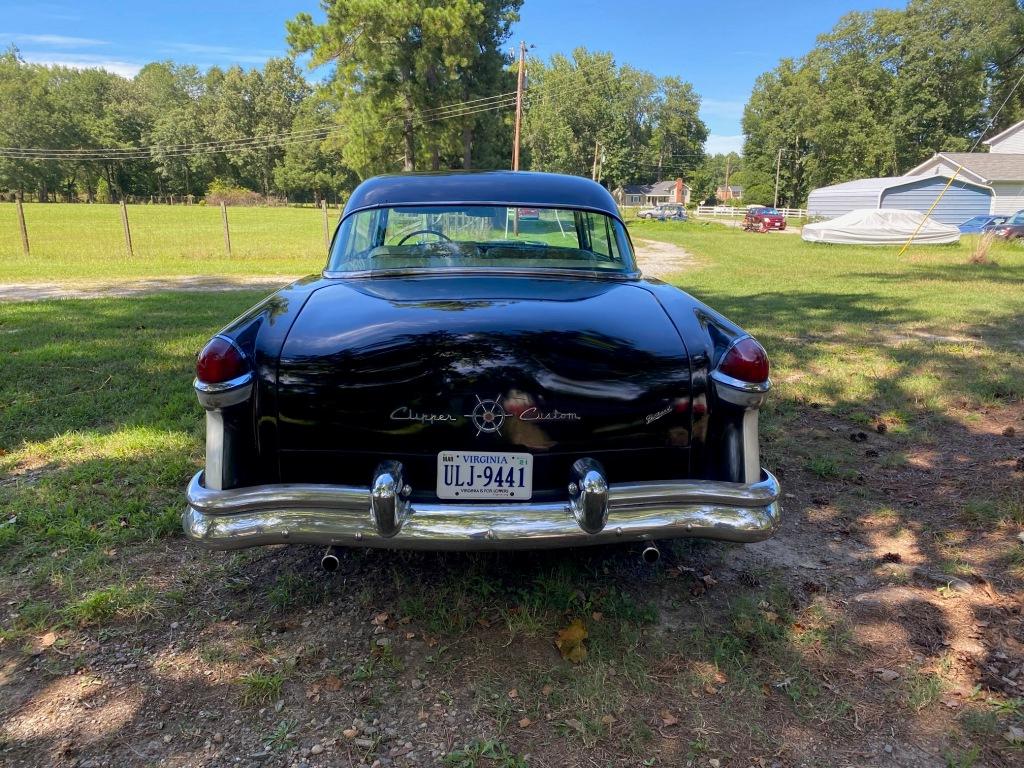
(663, 212)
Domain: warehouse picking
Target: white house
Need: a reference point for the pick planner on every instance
(1001, 168)
(676, 191)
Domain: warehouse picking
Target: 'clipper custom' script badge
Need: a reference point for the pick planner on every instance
(488, 416)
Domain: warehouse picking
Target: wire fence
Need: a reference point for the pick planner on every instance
(36, 229)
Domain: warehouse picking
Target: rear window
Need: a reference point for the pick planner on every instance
(479, 237)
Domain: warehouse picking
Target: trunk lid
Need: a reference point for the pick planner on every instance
(406, 367)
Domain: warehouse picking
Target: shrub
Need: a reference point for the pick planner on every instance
(221, 191)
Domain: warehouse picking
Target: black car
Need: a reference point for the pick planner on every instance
(449, 382)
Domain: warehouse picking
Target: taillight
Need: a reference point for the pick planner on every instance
(747, 361)
(220, 361)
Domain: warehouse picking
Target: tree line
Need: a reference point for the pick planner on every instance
(408, 86)
(881, 93)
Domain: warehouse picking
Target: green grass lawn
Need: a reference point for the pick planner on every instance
(100, 431)
(99, 426)
(74, 242)
(860, 329)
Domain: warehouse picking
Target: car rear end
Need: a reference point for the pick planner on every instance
(480, 408)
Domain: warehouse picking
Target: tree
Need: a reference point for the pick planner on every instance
(394, 62)
(312, 170)
(645, 128)
(882, 92)
(679, 134)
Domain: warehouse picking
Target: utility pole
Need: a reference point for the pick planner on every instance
(597, 149)
(778, 169)
(519, 104)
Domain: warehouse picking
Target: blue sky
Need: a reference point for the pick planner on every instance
(719, 47)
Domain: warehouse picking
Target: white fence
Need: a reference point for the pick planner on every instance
(729, 211)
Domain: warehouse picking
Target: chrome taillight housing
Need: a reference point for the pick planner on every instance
(220, 361)
(746, 361)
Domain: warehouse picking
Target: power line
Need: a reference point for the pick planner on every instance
(257, 143)
(461, 109)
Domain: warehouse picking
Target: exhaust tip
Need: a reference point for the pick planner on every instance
(651, 554)
(330, 561)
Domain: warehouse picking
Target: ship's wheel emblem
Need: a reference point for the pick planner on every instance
(488, 415)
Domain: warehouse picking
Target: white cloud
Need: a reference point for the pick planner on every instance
(83, 61)
(722, 145)
(56, 41)
(221, 53)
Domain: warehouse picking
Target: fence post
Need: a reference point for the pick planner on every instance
(227, 232)
(127, 229)
(327, 226)
(23, 228)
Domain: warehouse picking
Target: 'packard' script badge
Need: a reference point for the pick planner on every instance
(488, 416)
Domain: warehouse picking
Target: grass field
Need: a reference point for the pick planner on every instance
(894, 426)
(76, 242)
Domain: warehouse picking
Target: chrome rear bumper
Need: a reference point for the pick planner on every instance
(333, 514)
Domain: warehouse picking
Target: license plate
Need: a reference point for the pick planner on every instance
(471, 475)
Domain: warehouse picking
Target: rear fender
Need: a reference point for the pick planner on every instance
(241, 431)
(723, 426)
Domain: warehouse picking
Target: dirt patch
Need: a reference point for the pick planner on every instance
(129, 288)
(656, 259)
(824, 645)
(661, 260)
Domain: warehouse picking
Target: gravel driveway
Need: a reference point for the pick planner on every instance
(656, 260)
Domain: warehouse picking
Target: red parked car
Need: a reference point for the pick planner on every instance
(763, 219)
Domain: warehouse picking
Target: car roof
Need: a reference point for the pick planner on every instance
(512, 188)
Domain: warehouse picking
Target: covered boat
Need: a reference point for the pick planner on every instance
(881, 227)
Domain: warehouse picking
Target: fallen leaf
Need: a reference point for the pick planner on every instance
(710, 689)
(332, 683)
(667, 718)
(410, 635)
(350, 733)
(887, 675)
(380, 619)
(709, 580)
(547, 689)
(608, 719)
(47, 640)
(569, 642)
(513, 694)
(525, 722)
(597, 615)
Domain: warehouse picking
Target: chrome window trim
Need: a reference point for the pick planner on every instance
(632, 271)
(482, 272)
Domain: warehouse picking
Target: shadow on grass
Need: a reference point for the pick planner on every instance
(746, 667)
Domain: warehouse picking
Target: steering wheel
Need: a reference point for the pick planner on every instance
(442, 235)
